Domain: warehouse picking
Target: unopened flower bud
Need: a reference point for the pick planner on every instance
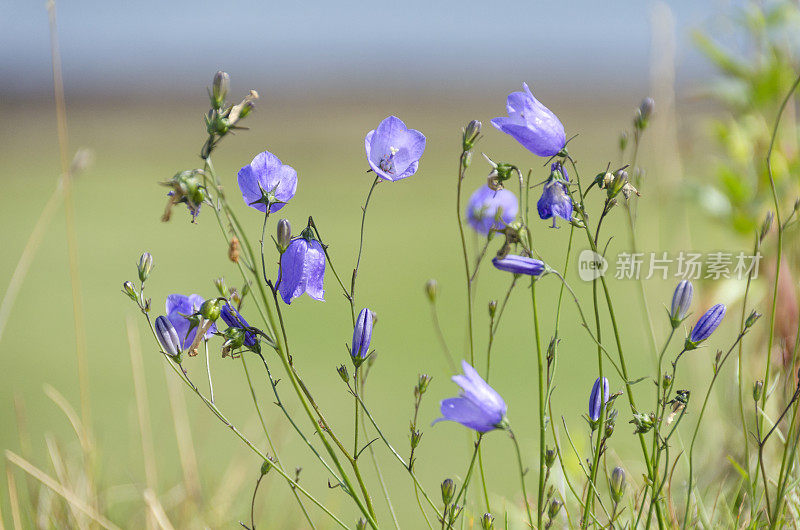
(487, 521)
(643, 113)
(467, 160)
(219, 283)
(623, 140)
(617, 484)
(681, 300)
(554, 508)
(266, 466)
(758, 386)
(168, 336)
(284, 234)
(492, 307)
(422, 384)
(751, 319)
(129, 289)
(361, 524)
(416, 436)
(471, 133)
(431, 289)
(618, 181)
(666, 381)
(549, 457)
(145, 266)
(448, 490)
(342, 371)
(765, 226)
(210, 309)
(219, 89)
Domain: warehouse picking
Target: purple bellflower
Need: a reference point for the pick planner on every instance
(234, 319)
(393, 150)
(489, 209)
(168, 337)
(479, 406)
(519, 265)
(179, 308)
(705, 326)
(681, 300)
(362, 335)
(596, 400)
(555, 200)
(267, 180)
(302, 269)
(532, 124)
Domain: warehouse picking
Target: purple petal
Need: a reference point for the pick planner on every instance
(466, 413)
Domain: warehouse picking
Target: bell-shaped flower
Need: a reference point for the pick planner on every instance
(705, 326)
(168, 336)
(267, 181)
(231, 316)
(555, 200)
(478, 407)
(302, 269)
(393, 150)
(598, 399)
(488, 209)
(519, 265)
(179, 310)
(532, 124)
(362, 334)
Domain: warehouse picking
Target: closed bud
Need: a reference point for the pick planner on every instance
(168, 337)
(266, 466)
(751, 319)
(219, 89)
(617, 484)
(492, 308)
(765, 226)
(219, 283)
(471, 133)
(681, 300)
(623, 140)
(129, 289)
(758, 387)
(416, 436)
(554, 508)
(422, 384)
(448, 490)
(643, 113)
(210, 309)
(284, 234)
(145, 266)
(618, 181)
(666, 381)
(487, 521)
(361, 524)
(342, 371)
(431, 289)
(234, 339)
(549, 457)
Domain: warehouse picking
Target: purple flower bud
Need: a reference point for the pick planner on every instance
(519, 265)
(302, 270)
(555, 200)
(362, 335)
(267, 180)
(234, 319)
(478, 407)
(179, 308)
(532, 124)
(488, 209)
(705, 326)
(596, 400)
(681, 300)
(168, 336)
(393, 150)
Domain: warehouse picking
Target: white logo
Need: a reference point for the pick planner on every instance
(591, 265)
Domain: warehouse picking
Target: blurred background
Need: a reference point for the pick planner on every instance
(135, 78)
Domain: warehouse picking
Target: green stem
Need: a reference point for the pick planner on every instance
(461, 169)
(522, 479)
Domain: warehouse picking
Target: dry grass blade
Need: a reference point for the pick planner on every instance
(72, 416)
(61, 474)
(12, 495)
(57, 488)
(157, 510)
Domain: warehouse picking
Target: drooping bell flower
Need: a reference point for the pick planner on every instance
(519, 265)
(362, 335)
(555, 200)
(393, 150)
(179, 308)
(267, 180)
(168, 337)
(488, 209)
(532, 124)
(302, 268)
(231, 316)
(681, 300)
(598, 399)
(705, 326)
(478, 407)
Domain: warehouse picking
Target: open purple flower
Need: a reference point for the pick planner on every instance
(362, 334)
(532, 124)
(488, 209)
(598, 399)
(393, 150)
(267, 180)
(234, 319)
(302, 269)
(179, 308)
(555, 200)
(478, 407)
(519, 265)
(705, 326)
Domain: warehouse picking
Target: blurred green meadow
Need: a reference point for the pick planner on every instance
(411, 236)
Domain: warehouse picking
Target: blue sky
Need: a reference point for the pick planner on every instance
(163, 44)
